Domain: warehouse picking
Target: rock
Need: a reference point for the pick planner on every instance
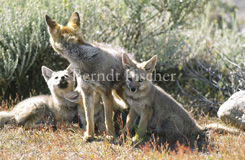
(233, 110)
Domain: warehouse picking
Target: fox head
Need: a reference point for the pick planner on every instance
(60, 82)
(138, 75)
(70, 33)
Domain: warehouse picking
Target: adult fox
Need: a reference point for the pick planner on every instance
(92, 62)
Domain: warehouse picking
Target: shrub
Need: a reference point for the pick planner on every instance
(193, 38)
(138, 26)
(23, 43)
(214, 65)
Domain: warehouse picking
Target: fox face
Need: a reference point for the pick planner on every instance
(70, 33)
(138, 75)
(60, 82)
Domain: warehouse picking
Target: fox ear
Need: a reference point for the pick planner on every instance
(72, 96)
(70, 70)
(51, 23)
(74, 20)
(127, 62)
(150, 64)
(47, 73)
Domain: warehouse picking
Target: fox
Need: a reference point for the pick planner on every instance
(90, 61)
(75, 97)
(45, 110)
(99, 117)
(157, 109)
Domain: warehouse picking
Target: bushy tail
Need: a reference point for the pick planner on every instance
(119, 103)
(6, 117)
(221, 128)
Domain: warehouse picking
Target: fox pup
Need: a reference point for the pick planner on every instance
(45, 109)
(156, 108)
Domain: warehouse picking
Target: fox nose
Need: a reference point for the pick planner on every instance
(133, 89)
(63, 78)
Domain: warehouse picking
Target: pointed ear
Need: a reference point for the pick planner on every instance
(50, 23)
(74, 20)
(150, 64)
(72, 96)
(70, 70)
(127, 62)
(47, 73)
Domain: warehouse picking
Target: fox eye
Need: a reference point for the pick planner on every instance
(66, 76)
(140, 80)
(130, 79)
(56, 77)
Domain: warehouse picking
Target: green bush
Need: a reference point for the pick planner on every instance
(214, 63)
(24, 45)
(138, 26)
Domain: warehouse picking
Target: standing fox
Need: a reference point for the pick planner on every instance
(155, 107)
(45, 109)
(91, 63)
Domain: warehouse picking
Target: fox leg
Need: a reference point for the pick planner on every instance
(99, 118)
(132, 115)
(29, 113)
(108, 109)
(97, 100)
(82, 116)
(88, 103)
(174, 129)
(145, 118)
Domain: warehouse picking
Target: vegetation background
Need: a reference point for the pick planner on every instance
(199, 40)
(202, 41)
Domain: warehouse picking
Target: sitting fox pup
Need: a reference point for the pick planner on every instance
(156, 108)
(45, 109)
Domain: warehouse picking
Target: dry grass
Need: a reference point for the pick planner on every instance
(67, 143)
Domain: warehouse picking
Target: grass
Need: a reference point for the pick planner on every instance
(67, 143)
(104, 21)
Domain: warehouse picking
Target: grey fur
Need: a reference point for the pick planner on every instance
(99, 118)
(89, 59)
(157, 109)
(45, 109)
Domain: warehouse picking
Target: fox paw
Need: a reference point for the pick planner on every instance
(109, 138)
(136, 139)
(88, 137)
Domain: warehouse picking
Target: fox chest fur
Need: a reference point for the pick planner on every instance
(63, 110)
(139, 101)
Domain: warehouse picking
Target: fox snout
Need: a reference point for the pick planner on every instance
(133, 89)
(63, 78)
(63, 83)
